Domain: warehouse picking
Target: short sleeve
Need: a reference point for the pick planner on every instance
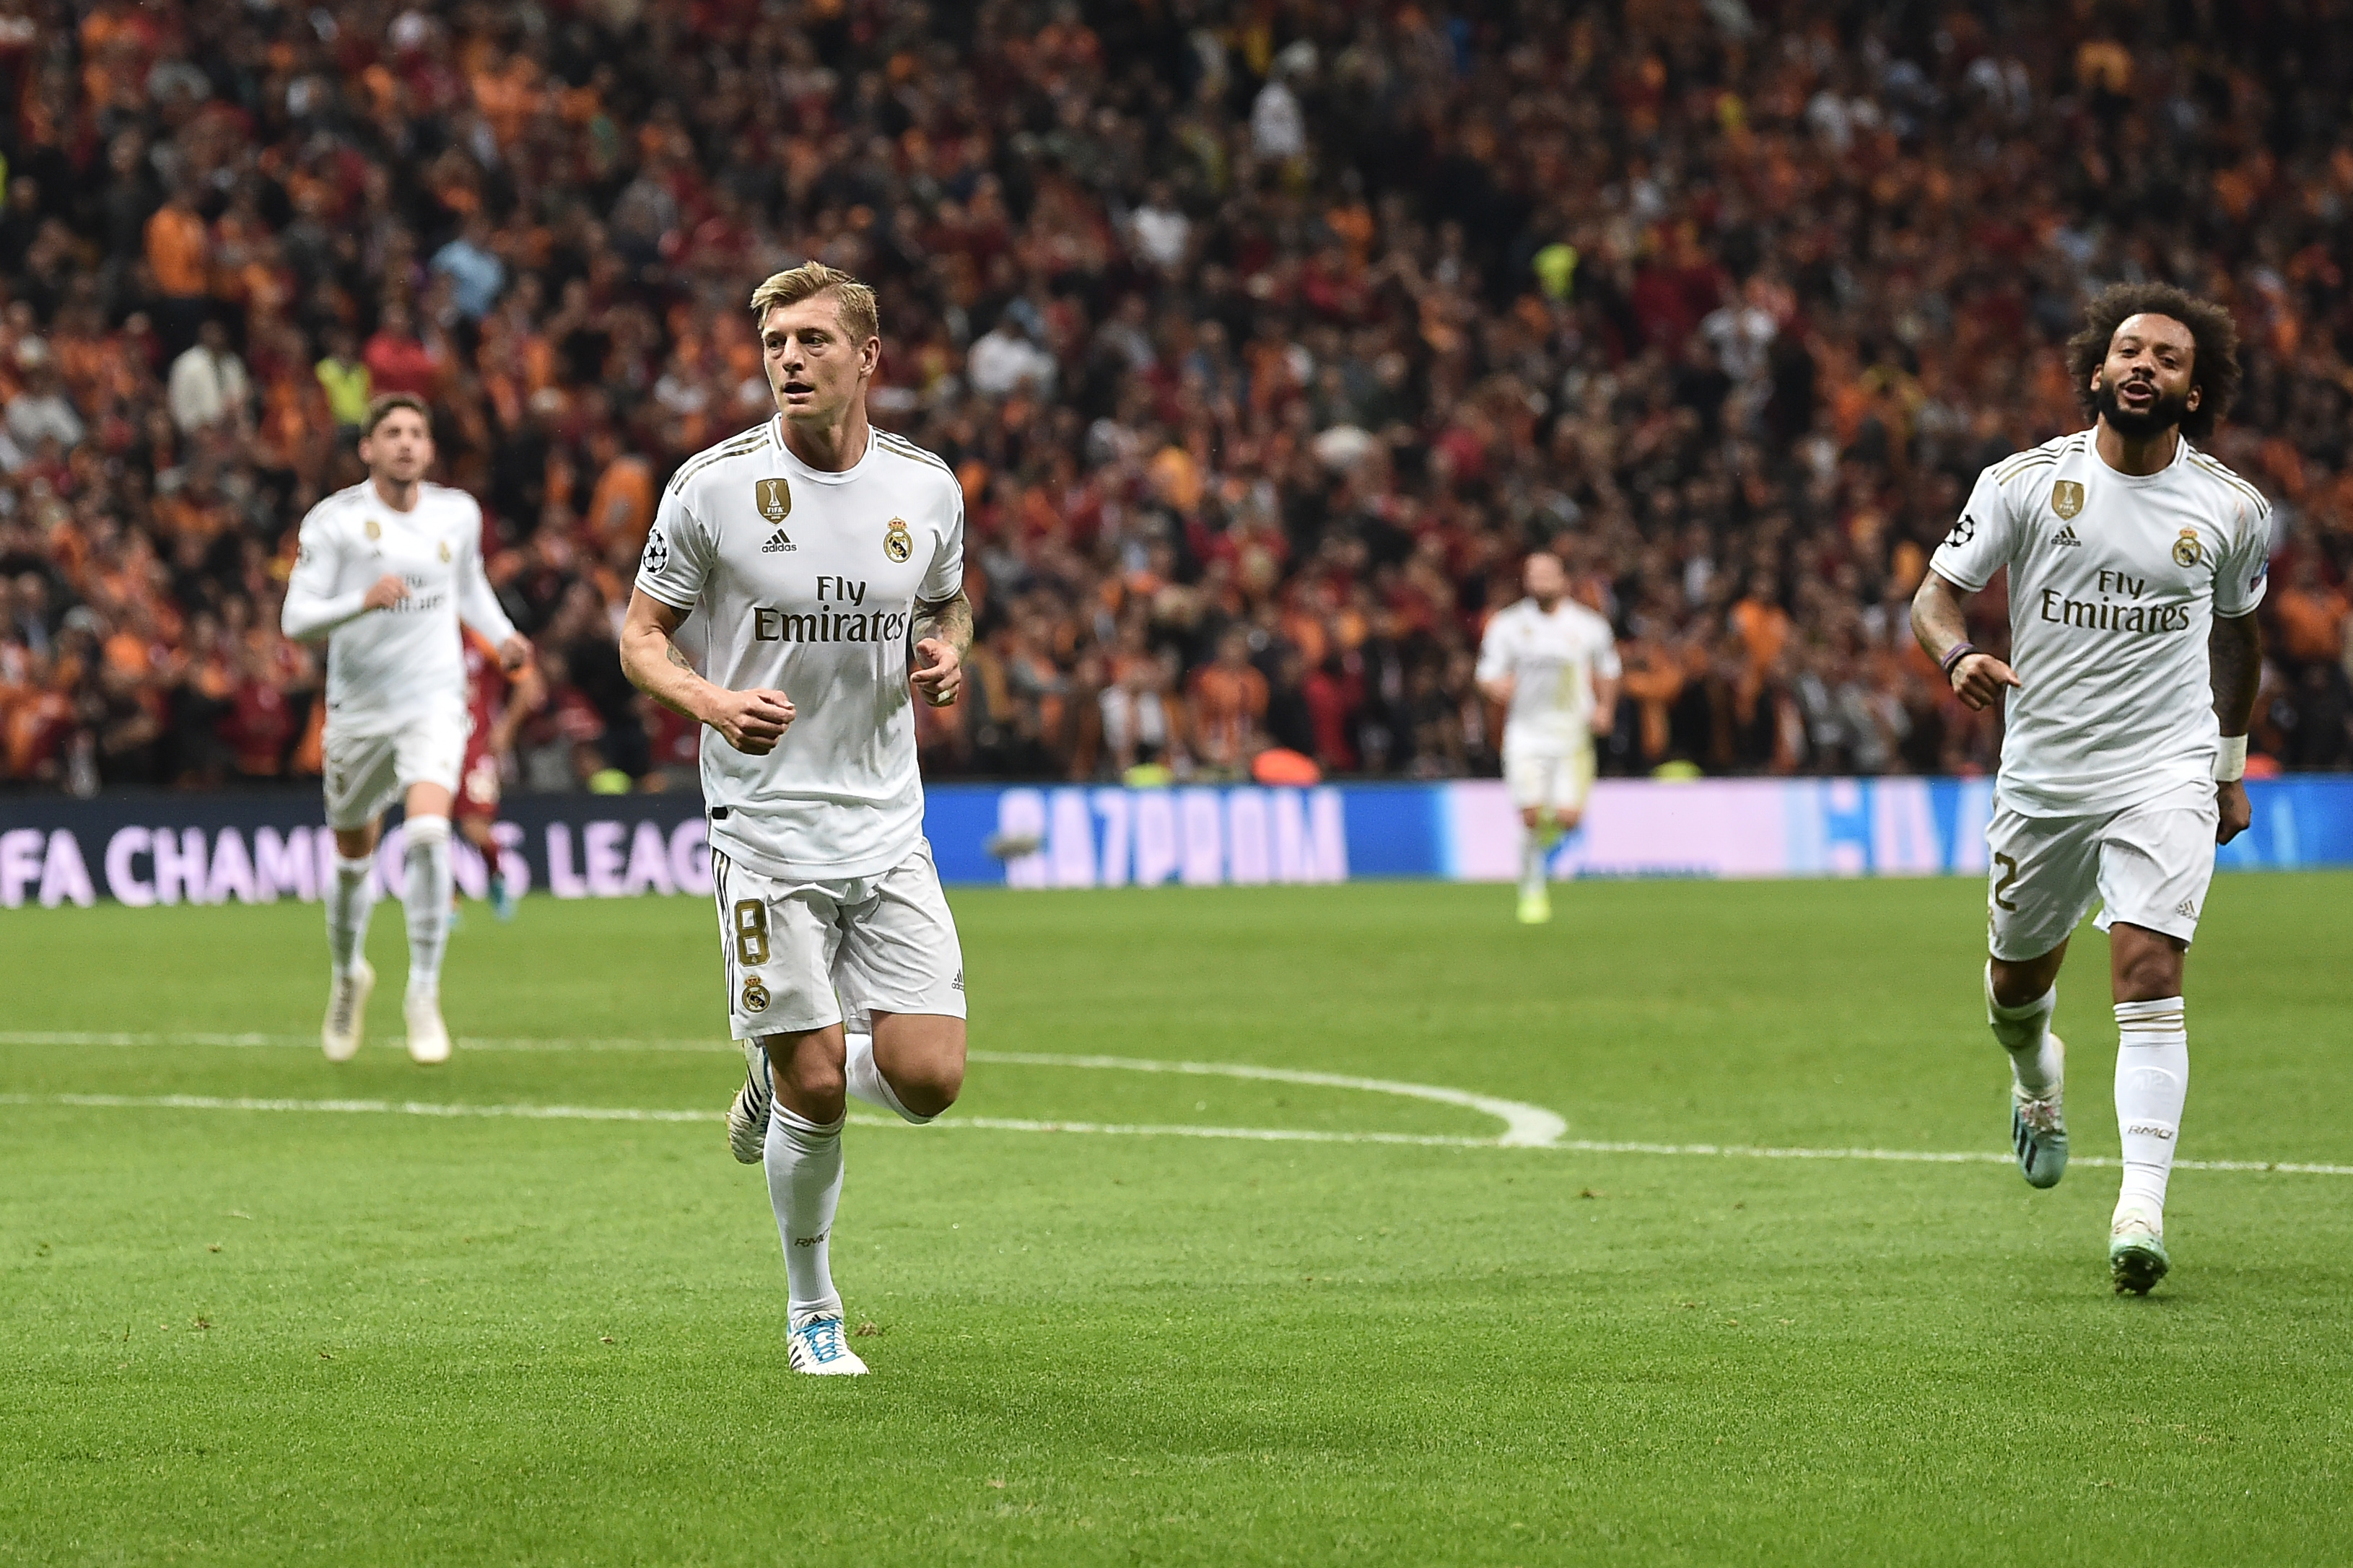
(944, 580)
(678, 555)
(1495, 649)
(318, 558)
(1605, 651)
(1981, 542)
(2244, 570)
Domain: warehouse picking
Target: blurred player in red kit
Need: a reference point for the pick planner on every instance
(498, 704)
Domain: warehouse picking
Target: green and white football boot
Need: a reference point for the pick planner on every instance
(2137, 1259)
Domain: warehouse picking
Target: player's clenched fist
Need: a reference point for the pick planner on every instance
(1979, 679)
(386, 592)
(940, 676)
(751, 721)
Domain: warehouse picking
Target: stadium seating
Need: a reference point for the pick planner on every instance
(1264, 338)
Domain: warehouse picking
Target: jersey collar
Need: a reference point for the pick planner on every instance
(819, 475)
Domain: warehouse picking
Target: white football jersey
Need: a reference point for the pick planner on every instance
(806, 582)
(2115, 581)
(1551, 660)
(386, 669)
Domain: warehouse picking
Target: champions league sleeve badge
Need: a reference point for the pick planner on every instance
(657, 552)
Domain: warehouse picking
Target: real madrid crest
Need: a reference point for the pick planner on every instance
(897, 542)
(774, 497)
(445, 552)
(2066, 499)
(374, 529)
(2187, 550)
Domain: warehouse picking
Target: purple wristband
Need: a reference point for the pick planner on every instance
(1960, 652)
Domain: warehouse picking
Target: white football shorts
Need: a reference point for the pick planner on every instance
(801, 955)
(1553, 781)
(366, 773)
(2148, 865)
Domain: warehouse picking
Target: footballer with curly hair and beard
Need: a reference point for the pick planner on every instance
(2136, 562)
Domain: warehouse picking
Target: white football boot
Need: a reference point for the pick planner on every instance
(817, 1347)
(347, 999)
(429, 1037)
(748, 1119)
(2038, 1126)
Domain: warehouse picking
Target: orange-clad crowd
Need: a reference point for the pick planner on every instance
(1267, 337)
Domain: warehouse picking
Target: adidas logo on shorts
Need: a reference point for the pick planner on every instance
(778, 545)
(2067, 535)
(2187, 910)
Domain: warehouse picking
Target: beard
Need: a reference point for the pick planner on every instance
(2166, 411)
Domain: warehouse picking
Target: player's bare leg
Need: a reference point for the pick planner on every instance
(2020, 997)
(482, 832)
(2152, 1085)
(426, 902)
(350, 899)
(912, 1066)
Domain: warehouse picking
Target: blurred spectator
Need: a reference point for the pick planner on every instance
(208, 385)
(345, 380)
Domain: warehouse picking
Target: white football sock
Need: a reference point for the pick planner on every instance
(1536, 849)
(427, 901)
(803, 1165)
(348, 903)
(2152, 1082)
(866, 1082)
(2025, 1032)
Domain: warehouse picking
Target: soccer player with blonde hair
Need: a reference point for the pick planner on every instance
(825, 559)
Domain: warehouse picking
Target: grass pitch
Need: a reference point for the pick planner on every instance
(259, 1335)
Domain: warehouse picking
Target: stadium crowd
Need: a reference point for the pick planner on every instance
(1267, 336)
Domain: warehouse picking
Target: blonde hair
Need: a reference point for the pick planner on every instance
(854, 300)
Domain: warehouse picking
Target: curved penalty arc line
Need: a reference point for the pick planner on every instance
(1525, 1126)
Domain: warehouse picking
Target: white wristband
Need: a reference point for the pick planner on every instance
(2232, 765)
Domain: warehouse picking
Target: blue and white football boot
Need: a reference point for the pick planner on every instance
(817, 1347)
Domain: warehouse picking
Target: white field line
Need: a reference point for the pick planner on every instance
(1525, 1126)
(1010, 1124)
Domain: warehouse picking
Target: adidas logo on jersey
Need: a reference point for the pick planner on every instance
(778, 545)
(2067, 535)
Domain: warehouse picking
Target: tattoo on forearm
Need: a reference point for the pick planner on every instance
(1938, 618)
(2234, 654)
(670, 650)
(950, 622)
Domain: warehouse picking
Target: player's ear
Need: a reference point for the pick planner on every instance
(2197, 396)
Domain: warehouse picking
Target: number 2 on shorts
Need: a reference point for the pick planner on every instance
(2009, 864)
(751, 932)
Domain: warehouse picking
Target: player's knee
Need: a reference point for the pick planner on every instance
(2148, 970)
(2016, 985)
(811, 1077)
(931, 1083)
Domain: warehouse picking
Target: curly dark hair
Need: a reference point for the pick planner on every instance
(2213, 368)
